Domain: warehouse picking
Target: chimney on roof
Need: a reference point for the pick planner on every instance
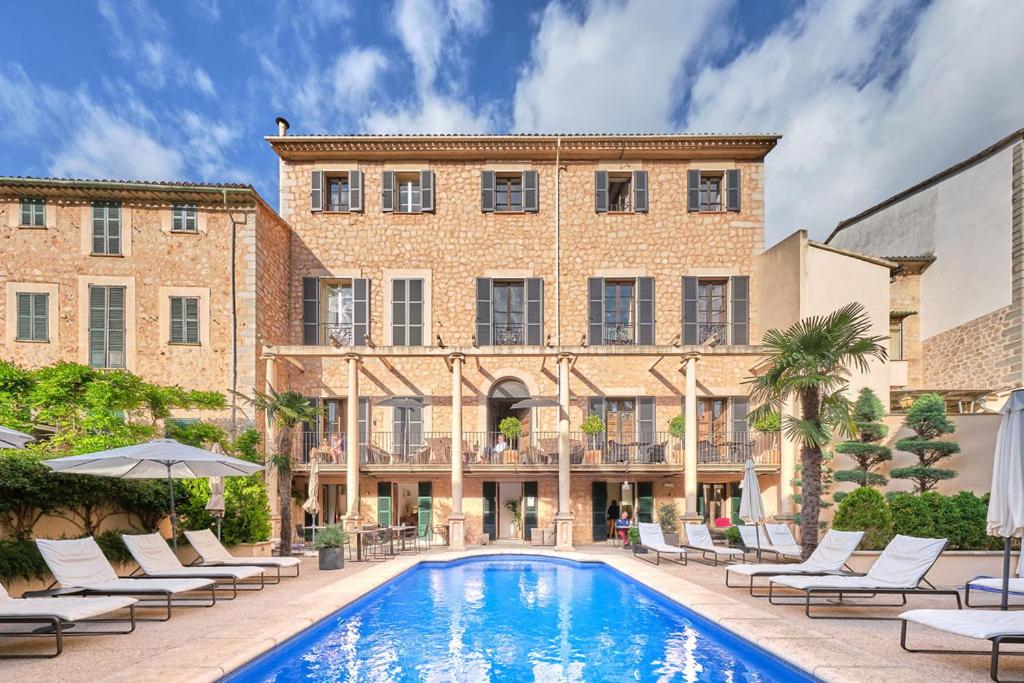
(282, 125)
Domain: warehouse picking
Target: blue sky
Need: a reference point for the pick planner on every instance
(870, 95)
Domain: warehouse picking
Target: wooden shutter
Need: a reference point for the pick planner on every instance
(529, 508)
(399, 310)
(99, 229)
(645, 502)
(599, 510)
(387, 191)
(693, 190)
(191, 320)
(414, 292)
(484, 311)
(113, 229)
(487, 191)
(24, 316)
(645, 311)
(360, 310)
(424, 508)
(640, 191)
(740, 426)
(384, 503)
(490, 509)
(316, 191)
(645, 419)
(595, 311)
(740, 285)
(97, 326)
(732, 189)
(41, 317)
(177, 320)
(427, 191)
(311, 311)
(534, 311)
(355, 190)
(364, 427)
(601, 191)
(531, 192)
(115, 327)
(689, 310)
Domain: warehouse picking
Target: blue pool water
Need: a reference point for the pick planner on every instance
(516, 619)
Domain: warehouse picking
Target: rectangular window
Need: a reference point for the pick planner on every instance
(184, 218)
(710, 192)
(619, 311)
(409, 194)
(338, 192)
(106, 326)
(508, 192)
(33, 316)
(338, 313)
(509, 308)
(407, 312)
(184, 320)
(620, 420)
(106, 228)
(712, 311)
(896, 339)
(33, 213)
(620, 192)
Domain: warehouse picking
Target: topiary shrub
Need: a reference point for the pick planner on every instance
(677, 426)
(865, 450)
(927, 417)
(864, 509)
(511, 428)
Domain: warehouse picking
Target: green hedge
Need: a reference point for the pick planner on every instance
(865, 509)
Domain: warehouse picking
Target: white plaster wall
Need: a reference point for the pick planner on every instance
(778, 279)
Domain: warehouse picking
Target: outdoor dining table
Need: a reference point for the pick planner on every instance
(359, 533)
(401, 529)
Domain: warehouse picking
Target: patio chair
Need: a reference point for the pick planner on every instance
(699, 538)
(80, 564)
(211, 552)
(899, 570)
(156, 559)
(653, 539)
(57, 614)
(782, 538)
(994, 584)
(757, 540)
(830, 557)
(996, 626)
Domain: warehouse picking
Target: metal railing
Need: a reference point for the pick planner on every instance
(623, 204)
(619, 334)
(402, 448)
(658, 448)
(328, 447)
(711, 206)
(335, 334)
(718, 331)
(733, 448)
(508, 334)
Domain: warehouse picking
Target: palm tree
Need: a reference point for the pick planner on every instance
(288, 410)
(811, 362)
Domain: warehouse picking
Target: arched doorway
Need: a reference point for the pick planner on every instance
(502, 396)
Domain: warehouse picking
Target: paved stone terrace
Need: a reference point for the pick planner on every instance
(201, 644)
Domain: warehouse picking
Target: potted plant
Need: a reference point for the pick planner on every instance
(510, 427)
(668, 518)
(512, 505)
(592, 426)
(677, 429)
(634, 541)
(329, 543)
(732, 535)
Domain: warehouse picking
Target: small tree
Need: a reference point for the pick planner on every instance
(510, 428)
(865, 510)
(677, 426)
(927, 418)
(868, 412)
(668, 518)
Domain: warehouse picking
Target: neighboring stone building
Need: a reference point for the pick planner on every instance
(957, 290)
(162, 279)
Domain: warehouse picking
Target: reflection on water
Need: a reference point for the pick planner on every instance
(504, 619)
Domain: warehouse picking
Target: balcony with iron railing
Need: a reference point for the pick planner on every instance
(508, 334)
(712, 331)
(623, 334)
(335, 334)
(402, 449)
(735, 447)
(327, 447)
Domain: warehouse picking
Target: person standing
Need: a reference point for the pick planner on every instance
(613, 514)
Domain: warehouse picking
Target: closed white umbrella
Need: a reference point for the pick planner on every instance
(1006, 501)
(312, 504)
(155, 460)
(216, 505)
(751, 504)
(12, 438)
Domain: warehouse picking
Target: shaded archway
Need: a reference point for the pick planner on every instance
(500, 398)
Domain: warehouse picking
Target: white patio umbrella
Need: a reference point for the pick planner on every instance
(312, 504)
(12, 438)
(1006, 503)
(751, 504)
(155, 460)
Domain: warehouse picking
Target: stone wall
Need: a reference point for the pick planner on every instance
(905, 295)
(981, 354)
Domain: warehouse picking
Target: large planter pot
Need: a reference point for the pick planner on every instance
(259, 549)
(671, 538)
(331, 558)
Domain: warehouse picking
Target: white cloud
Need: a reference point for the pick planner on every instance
(203, 82)
(210, 9)
(616, 68)
(431, 114)
(206, 144)
(355, 74)
(856, 127)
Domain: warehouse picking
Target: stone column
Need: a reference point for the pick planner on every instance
(270, 443)
(351, 519)
(788, 451)
(564, 517)
(690, 466)
(456, 520)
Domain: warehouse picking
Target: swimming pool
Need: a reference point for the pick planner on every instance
(516, 618)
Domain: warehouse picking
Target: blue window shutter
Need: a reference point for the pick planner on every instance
(41, 317)
(399, 308)
(310, 311)
(693, 190)
(534, 311)
(316, 191)
(740, 285)
(601, 191)
(24, 316)
(645, 311)
(645, 419)
(689, 310)
(427, 191)
(177, 320)
(531, 191)
(595, 311)
(484, 311)
(387, 191)
(487, 180)
(97, 326)
(640, 191)
(732, 189)
(361, 311)
(355, 191)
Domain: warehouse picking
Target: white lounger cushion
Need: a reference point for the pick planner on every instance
(754, 538)
(210, 549)
(902, 564)
(698, 536)
(830, 556)
(79, 563)
(982, 624)
(156, 559)
(66, 608)
(652, 537)
(781, 536)
(1015, 585)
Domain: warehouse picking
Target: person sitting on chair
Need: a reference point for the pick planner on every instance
(613, 514)
(622, 528)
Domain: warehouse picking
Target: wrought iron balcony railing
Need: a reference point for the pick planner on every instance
(508, 334)
(716, 331)
(615, 335)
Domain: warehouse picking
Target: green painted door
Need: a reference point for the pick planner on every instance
(599, 503)
(645, 501)
(425, 505)
(490, 508)
(384, 503)
(529, 508)
(735, 490)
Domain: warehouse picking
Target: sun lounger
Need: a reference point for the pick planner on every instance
(829, 557)
(782, 539)
(699, 538)
(756, 540)
(998, 627)
(652, 538)
(80, 564)
(56, 614)
(156, 560)
(994, 584)
(212, 553)
(899, 570)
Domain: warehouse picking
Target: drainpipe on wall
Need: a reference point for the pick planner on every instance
(234, 322)
(558, 245)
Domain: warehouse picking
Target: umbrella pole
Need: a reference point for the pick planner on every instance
(1005, 604)
(218, 527)
(174, 517)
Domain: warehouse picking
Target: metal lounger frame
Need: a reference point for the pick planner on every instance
(750, 587)
(994, 653)
(704, 555)
(198, 562)
(146, 598)
(967, 593)
(55, 626)
(234, 586)
(683, 555)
